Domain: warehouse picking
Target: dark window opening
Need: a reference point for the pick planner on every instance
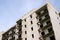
(32, 35)
(40, 19)
(46, 15)
(25, 32)
(25, 38)
(52, 38)
(25, 26)
(20, 35)
(30, 16)
(25, 20)
(41, 25)
(59, 14)
(50, 29)
(45, 10)
(32, 28)
(19, 23)
(48, 22)
(43, 33)
(20, 29)
(31, 22)
(13, 31)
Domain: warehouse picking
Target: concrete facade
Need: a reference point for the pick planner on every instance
(55, 19)
(30, 26)
(1, 35)
(38, 24)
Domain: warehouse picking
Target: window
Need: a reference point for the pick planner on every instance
(20, 23)
(59, 14)
(20, 35)
(25, 32)
(52, 38)
(40, 19)
(31, 22)
(46, 15)
(44, 24)
(43, 33)
(20, 29)
(32, 35)
(50, 29)
(41, 25)
(30, 16)
(32, 28)
(25, 20)
(48, 22)
(25, 38)
(25, 26)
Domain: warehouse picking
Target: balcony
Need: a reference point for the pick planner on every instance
(11, 34)
(19, 21)
(20, 32)
(47, 18)
(47, 26)
(44, 8)
(48, 35)
(39, 30)
(20, 26)
(43, 14)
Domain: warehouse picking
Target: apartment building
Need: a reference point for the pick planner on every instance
(9, 34)
(1, 35)
(38, 24)
(14, 33)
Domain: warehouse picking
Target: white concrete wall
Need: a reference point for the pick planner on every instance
(0, 36)
(55, 21)
(28, 28)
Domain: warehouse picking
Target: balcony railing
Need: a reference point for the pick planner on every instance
(20, 32)
(42, 21)
(43, 14)
(47, 26)
(19, 21)
(48, 35)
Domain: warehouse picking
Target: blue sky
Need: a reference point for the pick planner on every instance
(11, 10)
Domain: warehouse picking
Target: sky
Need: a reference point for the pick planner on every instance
(12, 10)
